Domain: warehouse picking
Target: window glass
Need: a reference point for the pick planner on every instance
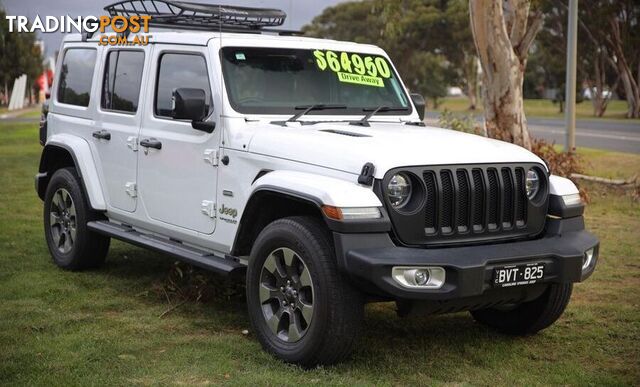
(74, 87)
(277, 80)
(180, 71)
(122, 79)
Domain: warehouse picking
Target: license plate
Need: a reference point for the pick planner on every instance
(516, 275)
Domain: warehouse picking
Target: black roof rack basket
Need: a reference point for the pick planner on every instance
(197, 16)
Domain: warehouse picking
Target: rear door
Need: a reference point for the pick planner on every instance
(177, 182)
(118, 121)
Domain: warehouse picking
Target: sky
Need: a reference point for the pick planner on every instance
(299, 12)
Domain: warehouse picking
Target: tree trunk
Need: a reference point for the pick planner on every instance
(598, 98)
(471, 80)
(631, 87)
(502, 39)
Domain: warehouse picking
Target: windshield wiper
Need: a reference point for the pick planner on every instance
(307, 108)
(373, 111)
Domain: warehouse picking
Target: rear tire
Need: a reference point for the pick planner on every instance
(66, 213)
(530, 317)
(307, 313)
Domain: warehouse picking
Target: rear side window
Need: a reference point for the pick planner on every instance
(180, 71)
(122, 79)
(76, 76)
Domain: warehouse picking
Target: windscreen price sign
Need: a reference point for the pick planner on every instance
(354, 68)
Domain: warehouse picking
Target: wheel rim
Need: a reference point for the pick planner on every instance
(62, 217)
(286, 294)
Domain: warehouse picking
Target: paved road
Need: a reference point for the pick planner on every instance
(617, 136)
(609, 135)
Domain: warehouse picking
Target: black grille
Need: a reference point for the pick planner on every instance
(430, 206)
(462, 220)
(494, 199)
(446, 212)
(469, 203)
(521, 198)
(478, 200)
(507, 183)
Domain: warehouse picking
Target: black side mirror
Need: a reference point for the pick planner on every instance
(191, 104)
(420, 103)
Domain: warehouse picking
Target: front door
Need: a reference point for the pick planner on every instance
(177, 173)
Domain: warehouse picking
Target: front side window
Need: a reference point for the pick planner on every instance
(180, 71)
(122, 79)
(74, 87)
(277, 80)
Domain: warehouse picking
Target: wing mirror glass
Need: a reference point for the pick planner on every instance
(420, 103)
(191, 104)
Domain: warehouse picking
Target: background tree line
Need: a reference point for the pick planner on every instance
(431, 43)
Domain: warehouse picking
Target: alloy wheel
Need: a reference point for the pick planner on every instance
(286, 294)
(63, 224)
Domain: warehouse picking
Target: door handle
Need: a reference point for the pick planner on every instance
(151, 143)
(102, 135)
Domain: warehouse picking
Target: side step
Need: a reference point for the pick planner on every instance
(188, 254)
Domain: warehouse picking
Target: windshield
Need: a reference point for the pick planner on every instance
(276, 80)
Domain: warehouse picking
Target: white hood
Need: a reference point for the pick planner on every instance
(386, 145)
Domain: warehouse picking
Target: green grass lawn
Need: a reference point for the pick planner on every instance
(30, 112)
(35, 113)
(104, 326)
(616, 110)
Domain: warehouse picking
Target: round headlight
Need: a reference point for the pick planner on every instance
(532, 183)
(399, 190)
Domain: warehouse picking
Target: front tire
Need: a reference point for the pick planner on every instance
(530, 317)
(300, 306)
(66, 213)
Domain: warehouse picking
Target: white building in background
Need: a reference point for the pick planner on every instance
(18, 93)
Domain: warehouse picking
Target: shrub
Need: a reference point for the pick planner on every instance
(464, 123)
(560, 163)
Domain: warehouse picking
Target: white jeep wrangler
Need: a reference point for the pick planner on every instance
(303, 166)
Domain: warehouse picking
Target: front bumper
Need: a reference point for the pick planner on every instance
(369, 258)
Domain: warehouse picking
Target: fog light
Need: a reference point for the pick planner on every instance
(587, 258)
(419, 277)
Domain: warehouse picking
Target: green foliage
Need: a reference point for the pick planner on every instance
(18, 54)
(597, 62)
(462, 123)
(430, 74)
(354, 21)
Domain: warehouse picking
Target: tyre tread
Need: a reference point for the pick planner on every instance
(92, 247)
(346, 310)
